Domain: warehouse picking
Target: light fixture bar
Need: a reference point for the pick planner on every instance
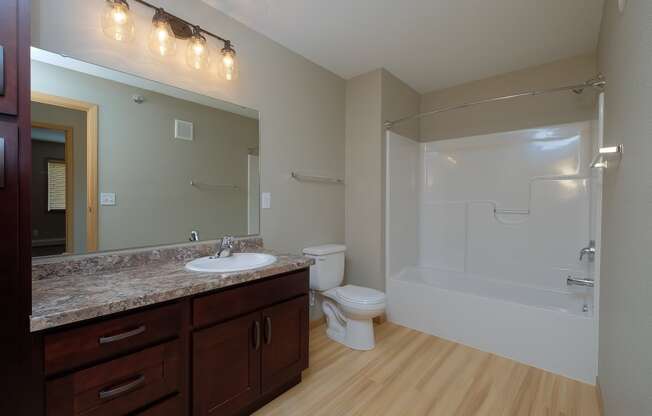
(206, 32)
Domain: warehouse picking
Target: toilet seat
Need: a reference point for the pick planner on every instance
(360, 295)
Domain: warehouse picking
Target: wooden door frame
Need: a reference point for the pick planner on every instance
(91, 111)
(70, 178)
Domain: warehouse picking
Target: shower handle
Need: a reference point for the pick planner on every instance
(588, 251)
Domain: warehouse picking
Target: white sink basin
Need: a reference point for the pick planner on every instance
(238, 262)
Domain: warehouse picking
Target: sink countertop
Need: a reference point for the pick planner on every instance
(80, 296)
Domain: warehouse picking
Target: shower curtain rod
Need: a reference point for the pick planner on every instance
(596, 82)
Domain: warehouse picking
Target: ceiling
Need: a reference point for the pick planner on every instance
(429, 44)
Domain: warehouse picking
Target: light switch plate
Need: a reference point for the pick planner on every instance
(107, 198)
(266, 200)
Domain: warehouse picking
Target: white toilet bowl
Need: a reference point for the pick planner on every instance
(349, 309)
(349, 314)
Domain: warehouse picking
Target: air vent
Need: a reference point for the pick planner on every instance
(183, 130)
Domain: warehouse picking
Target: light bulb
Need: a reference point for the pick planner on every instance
(197, 51)
(117, 22)
(162, 41)
(228, 65)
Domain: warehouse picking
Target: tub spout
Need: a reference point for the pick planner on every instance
(571, 281)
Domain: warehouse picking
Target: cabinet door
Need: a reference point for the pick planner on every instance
(226, 366)
(9, 57)
(285, 342)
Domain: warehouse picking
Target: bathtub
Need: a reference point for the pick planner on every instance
(552, 330)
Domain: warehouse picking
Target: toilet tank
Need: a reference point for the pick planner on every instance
(328, 270)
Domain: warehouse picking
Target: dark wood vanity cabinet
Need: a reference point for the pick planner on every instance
(238, 362)
(226, 366)
(238, 349)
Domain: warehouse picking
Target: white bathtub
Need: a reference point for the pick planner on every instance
(543, 328)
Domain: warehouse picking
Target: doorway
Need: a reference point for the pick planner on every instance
(52, 189)
(65, 176)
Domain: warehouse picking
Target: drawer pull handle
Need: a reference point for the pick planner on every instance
(124, 335)
(256, 335)
(2, 71)
(122, 389)
(268, 330)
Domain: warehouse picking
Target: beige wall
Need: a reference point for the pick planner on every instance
(625, 358)
(371, 99)
(522, 113)
(363, 185)
(77, 120)
(301, 105)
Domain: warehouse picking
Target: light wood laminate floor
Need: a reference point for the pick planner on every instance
(411, 373)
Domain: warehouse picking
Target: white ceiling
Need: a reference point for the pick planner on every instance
(430, 44)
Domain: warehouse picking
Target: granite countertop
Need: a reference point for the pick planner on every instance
(78, 296)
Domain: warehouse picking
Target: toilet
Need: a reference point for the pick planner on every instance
(349, 309)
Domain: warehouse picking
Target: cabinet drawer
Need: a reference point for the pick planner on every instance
(118, 387)
(73, 348)
(244, 299)
(170, 407)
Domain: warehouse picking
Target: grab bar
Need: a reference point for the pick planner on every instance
(512, 211)
(312, 178)
(572, 281)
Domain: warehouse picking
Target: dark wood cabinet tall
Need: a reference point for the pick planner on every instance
(9, 44)
(19, 395)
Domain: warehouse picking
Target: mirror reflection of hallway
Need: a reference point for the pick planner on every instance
(60, 177)
(52, 189)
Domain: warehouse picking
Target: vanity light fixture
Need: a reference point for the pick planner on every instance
(117, 21)
(197, 53)
(118, 24)
(162, 41)
(228, 65)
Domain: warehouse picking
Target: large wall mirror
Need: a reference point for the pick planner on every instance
(122, 162)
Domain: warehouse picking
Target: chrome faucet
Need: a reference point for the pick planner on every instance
(572, 281)
(225, 248)
(589, 251)
(194, 236)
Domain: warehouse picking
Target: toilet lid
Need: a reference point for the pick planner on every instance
(363, 295)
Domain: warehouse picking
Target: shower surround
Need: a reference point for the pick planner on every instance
(482, 233)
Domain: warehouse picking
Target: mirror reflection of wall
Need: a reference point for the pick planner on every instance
(147, 163)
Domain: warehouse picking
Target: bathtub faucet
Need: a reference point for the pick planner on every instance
(571, 281)
(589, 251)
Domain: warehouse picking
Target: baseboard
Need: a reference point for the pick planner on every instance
(600, 400)
(317, 322)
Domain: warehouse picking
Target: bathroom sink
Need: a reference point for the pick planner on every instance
(238, 262)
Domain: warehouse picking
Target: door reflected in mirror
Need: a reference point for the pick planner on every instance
(123, 162)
